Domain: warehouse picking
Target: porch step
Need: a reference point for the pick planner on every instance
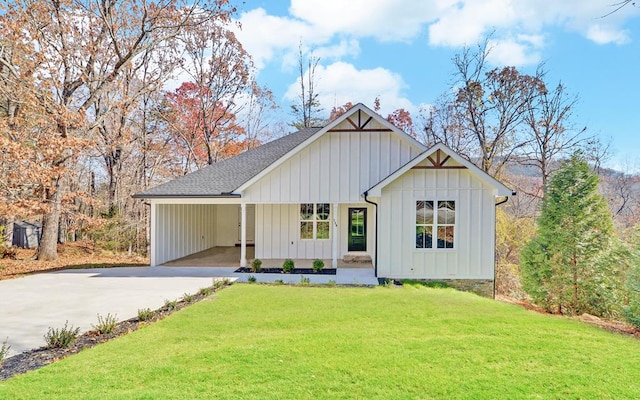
(349, 259)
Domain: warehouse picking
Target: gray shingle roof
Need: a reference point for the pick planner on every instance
(224, 177)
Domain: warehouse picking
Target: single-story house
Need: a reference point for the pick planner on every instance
(358, 187)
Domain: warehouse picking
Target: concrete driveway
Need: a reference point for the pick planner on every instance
(32, 304)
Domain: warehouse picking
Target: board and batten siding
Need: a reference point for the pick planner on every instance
(474, 237)
(182, 229)
(278, 234)
(337, 168)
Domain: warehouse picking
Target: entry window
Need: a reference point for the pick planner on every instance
(314, 221)
(435, 224)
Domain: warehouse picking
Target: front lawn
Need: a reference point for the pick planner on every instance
(261, 342)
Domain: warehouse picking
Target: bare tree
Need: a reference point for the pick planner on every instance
(490, 105)
(550, 130)
(308, 107)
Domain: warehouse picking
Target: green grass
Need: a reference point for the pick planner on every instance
(285, 342)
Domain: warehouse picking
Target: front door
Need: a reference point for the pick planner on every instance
(357, 229)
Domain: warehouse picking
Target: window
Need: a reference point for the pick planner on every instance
(314, 221)
(435, 224)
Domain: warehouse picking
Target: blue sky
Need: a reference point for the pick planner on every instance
(401, 50)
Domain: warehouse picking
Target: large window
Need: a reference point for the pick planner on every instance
(314, 221)
(435, 223)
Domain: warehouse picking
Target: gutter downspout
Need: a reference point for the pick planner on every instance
(495, 269)
(375, 257)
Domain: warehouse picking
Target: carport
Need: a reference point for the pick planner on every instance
(190, 227)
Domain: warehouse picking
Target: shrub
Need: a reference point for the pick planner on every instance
(61, 338)
(4, 350)
(205, 291)
(278, 282)
(106, 324)
(331, 282)
(632, 311)
(188, 298)
(170, 304)
(218, 283)
(318, 265)
(251, 279)
(145, 314)
(304, 281)
(256, 265)
(288, 266)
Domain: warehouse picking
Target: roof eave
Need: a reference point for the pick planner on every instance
(186, 196)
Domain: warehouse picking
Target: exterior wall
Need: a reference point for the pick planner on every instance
(474, 241)
(226, 224)
(278, 233)
(336, 168)
(182, 229)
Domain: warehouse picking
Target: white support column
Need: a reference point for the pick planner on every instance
(153, 236)
(334, 237)
(243, 234)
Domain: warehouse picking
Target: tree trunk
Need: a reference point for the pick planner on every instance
(8, 232)
(48, 249)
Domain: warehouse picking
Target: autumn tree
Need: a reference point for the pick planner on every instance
(81, 49)
(203, 111)
(575, 263)
(196, 126)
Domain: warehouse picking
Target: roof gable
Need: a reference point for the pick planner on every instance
(359, 118)
(440, 157)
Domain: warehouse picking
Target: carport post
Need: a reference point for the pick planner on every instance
(334, 244)
(243, 234)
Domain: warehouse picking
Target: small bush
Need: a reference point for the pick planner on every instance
(256, 265)
(218, 284)
(61, 338)
(4, 350)
(278, 282)
(170, 304)
(205, 291)
(145, 314)
(331, 282)
(106, 324)
(226, 282)
(188, 298)
(318, 265)
(288, 266)
(304, 281)
(251, 279)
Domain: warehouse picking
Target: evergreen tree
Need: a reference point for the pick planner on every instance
(575, 263)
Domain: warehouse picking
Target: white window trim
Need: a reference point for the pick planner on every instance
(434, 241)
(314, 220)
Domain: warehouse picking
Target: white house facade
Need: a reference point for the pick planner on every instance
(356, 187)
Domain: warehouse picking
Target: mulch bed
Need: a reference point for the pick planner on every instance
(38, 358)
(310, 271)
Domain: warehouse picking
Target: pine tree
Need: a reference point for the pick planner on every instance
(575, 263)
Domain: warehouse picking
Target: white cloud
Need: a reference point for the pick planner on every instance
(385, 20)
(602, 34)
(333, 28)
(340, 82)
(516, 52)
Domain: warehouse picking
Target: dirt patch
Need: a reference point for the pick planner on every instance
(82, 254)
(609, 325)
